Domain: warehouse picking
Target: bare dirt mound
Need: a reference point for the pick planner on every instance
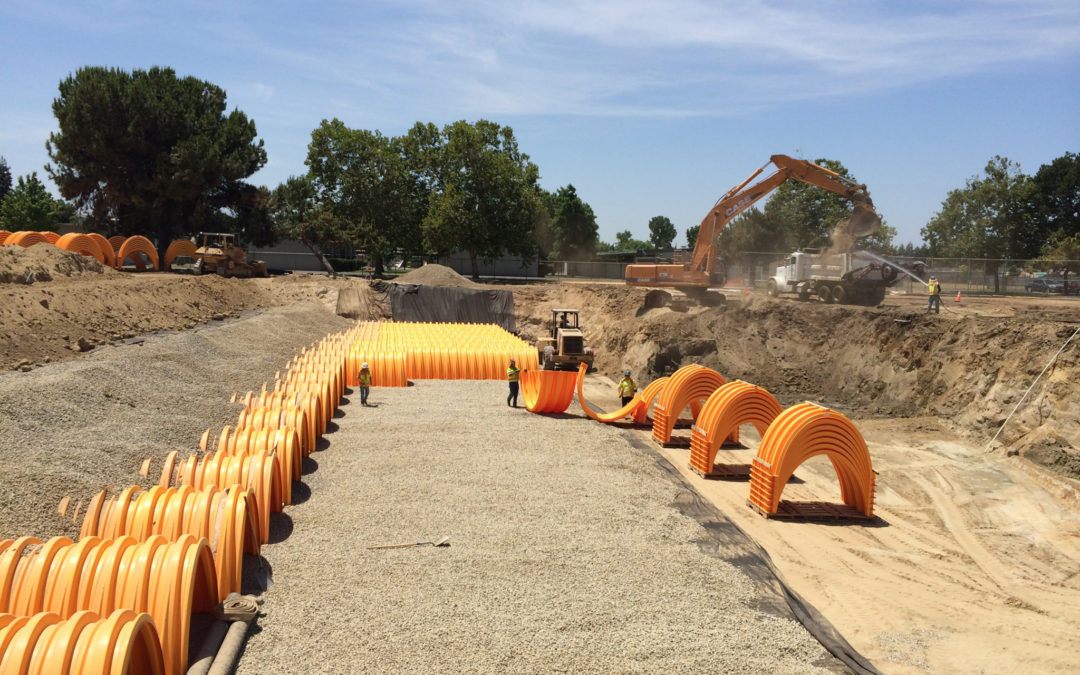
(363, 301)
(435, 275)
(56, 320)
(891, 361)
(42, 262)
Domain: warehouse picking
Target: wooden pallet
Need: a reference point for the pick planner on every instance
(725, 472)
(821, 511)
(682, 442)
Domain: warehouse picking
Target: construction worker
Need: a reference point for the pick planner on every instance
(627, 388)
(513, 376)
(365, 382)
(933, 300)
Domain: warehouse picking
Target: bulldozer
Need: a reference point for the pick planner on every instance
(564, 348)
(220, 255)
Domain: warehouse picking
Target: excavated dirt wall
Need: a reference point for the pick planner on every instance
(893, 361)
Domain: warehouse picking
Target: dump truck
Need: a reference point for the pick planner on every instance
(856, 278)
(564, 347)
(219, 254)
(706, 271)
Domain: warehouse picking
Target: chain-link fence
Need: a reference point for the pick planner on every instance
(966, 275)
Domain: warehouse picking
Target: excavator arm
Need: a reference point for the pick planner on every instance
(702, 271)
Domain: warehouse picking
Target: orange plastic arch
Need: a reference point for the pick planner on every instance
(548, 391)
(168, 580)
(25, 239)
(81, 244)
(804, 431)
(4, 234)
(178, 248)
(637, 409)
(133, 246)
(124, 642)
(690, 385)
(732, 405)
(116, 242)
(51, 237)
(107, 252)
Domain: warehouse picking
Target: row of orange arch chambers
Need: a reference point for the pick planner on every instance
(120, 598)
(399, 352)
(111, 252)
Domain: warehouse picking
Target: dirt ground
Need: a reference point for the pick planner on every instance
(974, 565)
(968, 366)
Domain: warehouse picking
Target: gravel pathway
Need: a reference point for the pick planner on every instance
(567, 554)
(73, 427)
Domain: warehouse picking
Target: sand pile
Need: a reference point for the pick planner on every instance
(42, 262)
(434, 275)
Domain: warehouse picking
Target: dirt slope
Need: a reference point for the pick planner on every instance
(966, 368)
(55, 320)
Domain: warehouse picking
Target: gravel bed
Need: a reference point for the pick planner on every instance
(74, 427)
(567, 554)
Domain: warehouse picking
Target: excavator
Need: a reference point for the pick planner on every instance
(706, 270)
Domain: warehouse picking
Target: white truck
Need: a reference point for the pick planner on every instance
(857, 278)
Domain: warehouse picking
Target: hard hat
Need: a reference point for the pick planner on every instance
(626, 373)
(364, 364)
(933, 277)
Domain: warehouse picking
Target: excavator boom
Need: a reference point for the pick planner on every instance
(705, 269)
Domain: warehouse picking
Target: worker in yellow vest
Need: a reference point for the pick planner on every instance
(933, 291)
(365, 383)
(627, 388)
(513, 376)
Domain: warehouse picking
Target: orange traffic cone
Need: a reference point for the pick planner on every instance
(958, 296)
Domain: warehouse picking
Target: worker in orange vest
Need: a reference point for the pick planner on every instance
(365, 383)
(513, 376)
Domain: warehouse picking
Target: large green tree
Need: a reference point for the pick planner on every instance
(362, 182)
(809, 214)
(691, 235)
(753, 231)
(5, 178)
(574, 229)
(147, 150)
(993, 216)
(662, 232)
(1057, 196)
(484, 197)
(29, 206)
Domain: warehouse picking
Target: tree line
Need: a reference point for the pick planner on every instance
(150, 152)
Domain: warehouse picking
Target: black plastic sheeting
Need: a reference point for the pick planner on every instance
(725, 540)
(440, 304)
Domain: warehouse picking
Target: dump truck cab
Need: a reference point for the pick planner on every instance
(564, 346)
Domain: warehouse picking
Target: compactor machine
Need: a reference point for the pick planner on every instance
(564, 348)
(219, 254)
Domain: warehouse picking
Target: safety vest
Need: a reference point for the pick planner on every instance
(933, 288)
(365, 378)
(627, 387)
(512, 374)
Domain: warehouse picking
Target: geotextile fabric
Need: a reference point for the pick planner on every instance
(438, 304)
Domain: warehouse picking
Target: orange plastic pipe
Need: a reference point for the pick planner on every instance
(26, 239)
(81, 244)
(133, 246)
(732, 405)
(178, 248)
(548, 391)
(804, 431)
(690, 385)
(107, 252)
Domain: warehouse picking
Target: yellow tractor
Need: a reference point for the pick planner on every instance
(219, 254)
(564, 348)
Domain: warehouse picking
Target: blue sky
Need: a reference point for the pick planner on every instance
(647, 107)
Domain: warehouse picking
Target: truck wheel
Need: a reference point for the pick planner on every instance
(825, 293)
(839, 295)
(774, 290)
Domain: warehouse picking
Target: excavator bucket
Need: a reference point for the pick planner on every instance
(864, 219)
